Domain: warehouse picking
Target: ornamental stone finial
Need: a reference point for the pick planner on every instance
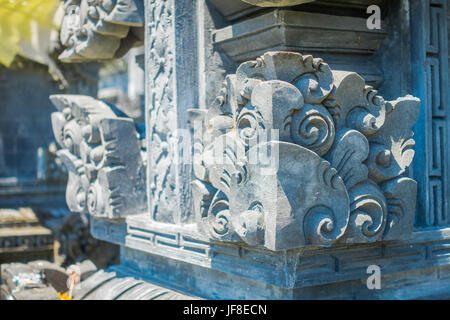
(293, 154)
(101, 150)
(100, 29)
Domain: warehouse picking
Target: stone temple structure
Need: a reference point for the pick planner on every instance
(290, 146)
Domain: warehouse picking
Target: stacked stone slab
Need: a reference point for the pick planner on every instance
(22, 237)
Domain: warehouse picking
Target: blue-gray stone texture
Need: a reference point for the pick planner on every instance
(354, 196)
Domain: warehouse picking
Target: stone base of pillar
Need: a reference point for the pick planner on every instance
(207, 283)
(176, 259)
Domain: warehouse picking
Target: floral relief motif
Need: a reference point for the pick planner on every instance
(101, 149)
(99, 29)
(292, 154)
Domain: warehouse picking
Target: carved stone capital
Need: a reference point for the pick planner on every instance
(99, 29)
(101, 150)
(293, 154)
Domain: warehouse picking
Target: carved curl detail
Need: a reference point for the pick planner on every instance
(313, 128)
(100, 29)
(101, 150)
(312, 157)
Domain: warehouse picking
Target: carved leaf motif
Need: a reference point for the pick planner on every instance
(77, 184)
(221, 117)
(96, 199)
(319, 226)
(355, 105)
(218, 221)
(349, 151)
(103, 156)
(223, 159)
(196, 118)
(312, 76)
(368, 213)
(85, 44)
(71, 23)
(249, 225)
(58, 122)
(279, 192)
(203, 194)
(286, 189)
(401, 203)
(391, 147)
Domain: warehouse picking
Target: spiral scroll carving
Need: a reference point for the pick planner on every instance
(368, 213)
(101, 29)
(312, 127)
(333, 150)
(319, 226)
(102, 152)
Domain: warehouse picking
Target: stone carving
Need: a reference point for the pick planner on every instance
(162, 122)
(101, 150)
(293, 154)
(100, 29)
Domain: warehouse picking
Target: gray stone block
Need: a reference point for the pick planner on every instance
(46, 293)
(102, 153)
(120, 285)
(93, 31)
(261, 157)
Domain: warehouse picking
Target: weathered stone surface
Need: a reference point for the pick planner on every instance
(391, 150)
(102, 153)
(338, 182)
(171, 89)
(263, 31)
(46, 293)
(276, 3)
(323, 34)
(233, 9)
(22, 237)
(303, 203)
(111, 285)
(260, 157)
(98, 30)
(338, 272)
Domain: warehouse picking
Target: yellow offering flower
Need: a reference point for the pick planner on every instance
(64, 296)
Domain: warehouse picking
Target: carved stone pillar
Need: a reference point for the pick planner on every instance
(171, 84)
(299, 176)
